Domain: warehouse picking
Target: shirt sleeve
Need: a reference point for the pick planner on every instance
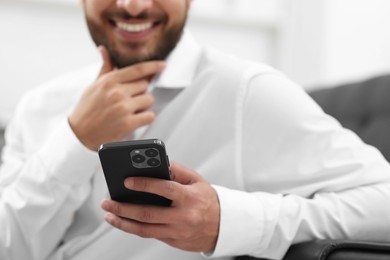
(40, 192)
(305, 177)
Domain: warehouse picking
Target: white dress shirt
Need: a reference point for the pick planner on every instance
(284, 171)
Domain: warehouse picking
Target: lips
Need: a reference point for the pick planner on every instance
(134, 28)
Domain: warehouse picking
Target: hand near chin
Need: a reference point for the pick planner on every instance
(192, 221)
(116, 104)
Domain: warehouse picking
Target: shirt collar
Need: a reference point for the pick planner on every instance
(181, 64)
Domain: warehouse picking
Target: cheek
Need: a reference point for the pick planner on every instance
(173, 8)
(95, 8)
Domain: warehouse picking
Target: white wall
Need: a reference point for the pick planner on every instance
(38, 41)
(358, 39)
(331, 41)
(248, 28)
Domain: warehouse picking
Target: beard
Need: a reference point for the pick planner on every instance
(160, 51)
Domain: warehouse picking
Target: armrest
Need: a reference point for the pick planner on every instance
(335, 250)
(338, 250)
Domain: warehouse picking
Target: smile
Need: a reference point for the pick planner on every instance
(134, 28)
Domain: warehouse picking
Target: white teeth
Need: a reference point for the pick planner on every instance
(134, 27)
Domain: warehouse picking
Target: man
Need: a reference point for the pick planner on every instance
(261, 166)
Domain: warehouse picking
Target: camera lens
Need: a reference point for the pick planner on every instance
(151, 152)
(153, 162)
(138, 158)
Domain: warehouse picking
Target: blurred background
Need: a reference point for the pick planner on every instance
(317, 43)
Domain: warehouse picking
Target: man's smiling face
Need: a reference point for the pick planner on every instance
(136, 30)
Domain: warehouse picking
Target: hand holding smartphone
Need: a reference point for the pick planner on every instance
(138, 158)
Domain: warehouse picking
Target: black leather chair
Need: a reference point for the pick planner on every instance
(363, 107)
(335, 250)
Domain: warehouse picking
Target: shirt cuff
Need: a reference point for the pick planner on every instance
(247, 222)
(241, 223)
(66, 158)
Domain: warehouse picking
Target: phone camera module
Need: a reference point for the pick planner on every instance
(138, 158)
(151, 152)
(145, 158)
(153, 162)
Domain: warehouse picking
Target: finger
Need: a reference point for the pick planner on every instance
(136, 88)
(139, 71)
(183, 175)
(141, 213)
(168, 189)
(137, 228)
(143, 118)
(106, 59)
(141, 103)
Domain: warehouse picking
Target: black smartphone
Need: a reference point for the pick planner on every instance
(138, 158)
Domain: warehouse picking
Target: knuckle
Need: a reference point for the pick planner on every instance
(139, 87)
(139, 69)
(116, 209)
(118, 223)
(145, 216)
(115, 95)
(141, 184)
(146, 68)
(143, 232)
(186, 197)
(132, 107)
(121, 110)
(194, 220)
(105, 81)
(144, 83)
(147, 118)
(126, 124)
(170, 189)
(124, 107)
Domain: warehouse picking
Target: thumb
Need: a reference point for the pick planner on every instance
(106, 59)
(184, 175)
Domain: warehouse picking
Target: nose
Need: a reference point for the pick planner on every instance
(134, 7)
